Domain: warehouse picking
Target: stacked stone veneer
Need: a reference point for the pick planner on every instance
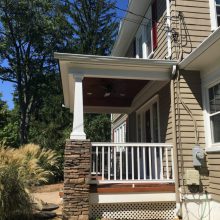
(76, 180)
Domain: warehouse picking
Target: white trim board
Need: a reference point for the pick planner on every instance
(131, 197)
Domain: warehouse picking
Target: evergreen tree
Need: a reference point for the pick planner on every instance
(95, 25)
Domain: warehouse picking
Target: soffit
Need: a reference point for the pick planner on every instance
(205, 56)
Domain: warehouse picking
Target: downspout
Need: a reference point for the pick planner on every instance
(169, 49)
(175, 153)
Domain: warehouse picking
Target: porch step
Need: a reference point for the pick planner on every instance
(138, 187)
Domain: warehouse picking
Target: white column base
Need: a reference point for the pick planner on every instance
(77, 136)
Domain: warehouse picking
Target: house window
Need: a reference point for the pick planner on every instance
(217, 5)
(120, 133)
(214, 13)
(214, 112)
(148, 122)
(146, 38)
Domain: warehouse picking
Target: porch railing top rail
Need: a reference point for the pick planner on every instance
(107, 144)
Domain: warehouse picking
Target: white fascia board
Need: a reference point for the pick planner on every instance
(187, 63)
(129, 26)
(116, 67)
(80, 61)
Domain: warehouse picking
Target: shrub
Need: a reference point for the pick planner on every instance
(35, 165)
(20, 169)
(14, 200)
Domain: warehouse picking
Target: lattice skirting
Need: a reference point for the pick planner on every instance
(137, 211)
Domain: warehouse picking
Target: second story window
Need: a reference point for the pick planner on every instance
(214, 13)
(146, 38)
(217, 3)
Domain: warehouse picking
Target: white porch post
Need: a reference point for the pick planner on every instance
(78, 120)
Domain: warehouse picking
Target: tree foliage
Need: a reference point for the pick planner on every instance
(29, 33)
(8, 125)
(94, 25)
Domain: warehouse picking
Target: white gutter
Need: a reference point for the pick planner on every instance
(169, 49)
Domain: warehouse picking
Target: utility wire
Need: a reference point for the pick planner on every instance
(136, 22)
(138, 15)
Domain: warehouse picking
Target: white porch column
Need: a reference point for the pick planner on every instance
(78, 120)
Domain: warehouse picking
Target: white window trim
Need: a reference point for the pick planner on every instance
(141, 111)
(142, 32)
(213, 15)
(211, 147)
(138, 35)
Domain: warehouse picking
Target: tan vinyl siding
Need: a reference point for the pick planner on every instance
(214, 175)
(190, 92)
(195, 26)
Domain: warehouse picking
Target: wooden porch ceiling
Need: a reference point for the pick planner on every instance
(125, 77)
(111, 92)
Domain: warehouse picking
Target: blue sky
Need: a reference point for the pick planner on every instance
(7, 88)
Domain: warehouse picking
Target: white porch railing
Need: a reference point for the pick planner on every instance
(132, 163)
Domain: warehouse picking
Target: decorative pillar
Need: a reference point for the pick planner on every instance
(78, 120)
(76, 180)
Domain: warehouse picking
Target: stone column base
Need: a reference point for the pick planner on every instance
(76, 180)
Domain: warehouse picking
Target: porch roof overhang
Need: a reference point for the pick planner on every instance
(205, 56)
(105, 67)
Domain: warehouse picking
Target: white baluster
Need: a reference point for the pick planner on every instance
(167, 165)
(109, 162)
(172, 162)
(120, 163)
(103, 162)
(115, 161)
(138, 162)
(150, 162)
(126, 155)
(144, 162)
(132, 162)
(155, 163)
(97, 156)
(161, 164)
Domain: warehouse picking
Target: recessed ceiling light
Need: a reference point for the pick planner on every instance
(122, 94)
(89, 93)
(107, 94)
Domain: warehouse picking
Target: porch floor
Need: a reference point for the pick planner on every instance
(133, 188)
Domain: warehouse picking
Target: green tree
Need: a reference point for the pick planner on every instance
(3, 112)
(94, 24)
(29, 33)
(8, 125)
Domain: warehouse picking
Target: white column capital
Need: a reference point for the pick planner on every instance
(78, 77)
